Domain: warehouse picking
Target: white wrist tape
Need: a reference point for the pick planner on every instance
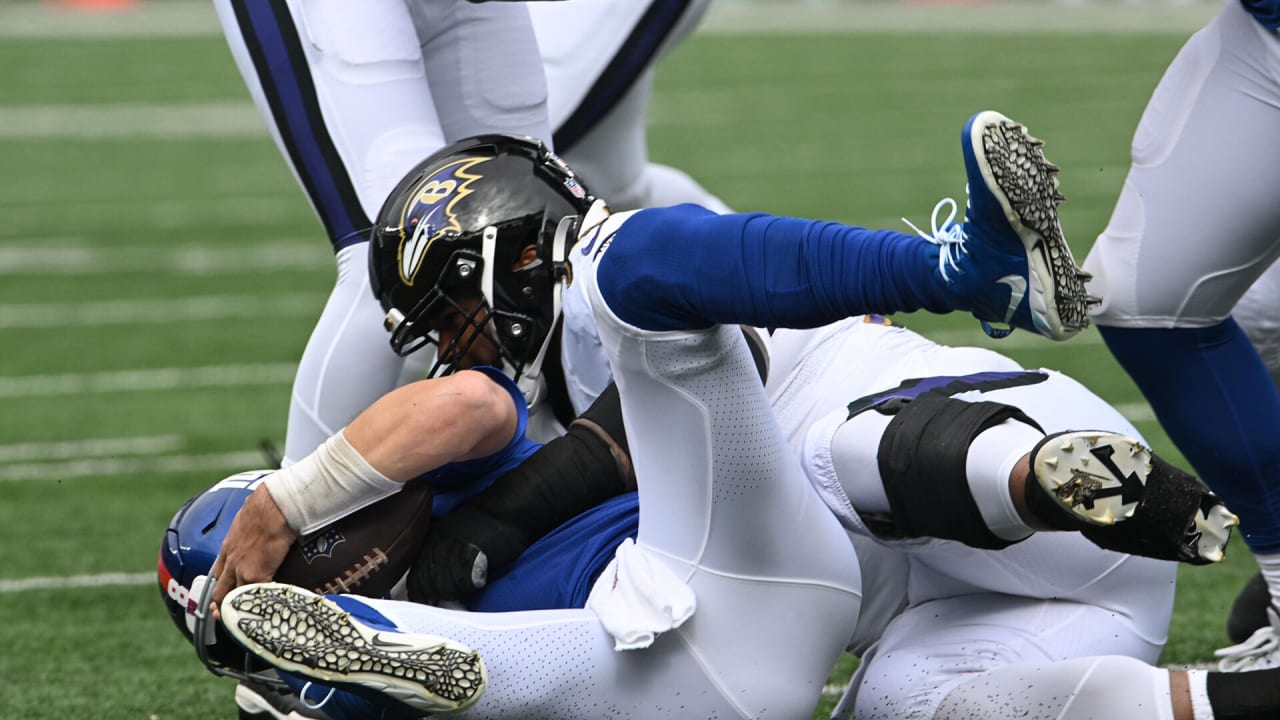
(330, 483)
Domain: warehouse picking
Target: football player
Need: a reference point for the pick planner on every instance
(739, 529)
(1195, 225)
(1127, 598)
(743, 585)
(314, 70)
(470, 255)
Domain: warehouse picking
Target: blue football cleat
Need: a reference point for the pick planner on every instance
(1008, 261)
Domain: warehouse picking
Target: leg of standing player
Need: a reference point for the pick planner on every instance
(353, 99)
(1195, 225)
(599, 58)
(1257, 316)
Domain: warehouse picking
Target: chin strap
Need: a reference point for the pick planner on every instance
(532, 381)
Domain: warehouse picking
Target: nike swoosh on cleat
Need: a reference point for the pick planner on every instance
(379, 642)
(1017, 290)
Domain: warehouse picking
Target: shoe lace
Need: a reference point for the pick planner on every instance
(307, 703)
(948, 235)
(1259, 652)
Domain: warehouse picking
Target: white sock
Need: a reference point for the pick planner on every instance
(991, 458)
(1270, 566)
(1200, 707)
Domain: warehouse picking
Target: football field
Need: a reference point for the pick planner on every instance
(160, 270)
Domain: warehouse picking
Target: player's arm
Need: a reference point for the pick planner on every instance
(410, 431)
(569, 475)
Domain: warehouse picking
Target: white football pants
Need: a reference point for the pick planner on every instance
(973, 617)
(1197, 221)
(728, 511)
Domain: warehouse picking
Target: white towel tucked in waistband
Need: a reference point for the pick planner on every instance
(637, 596)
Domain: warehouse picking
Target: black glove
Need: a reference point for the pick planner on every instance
(447, 569)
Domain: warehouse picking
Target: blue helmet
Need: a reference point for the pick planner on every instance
(187, 553)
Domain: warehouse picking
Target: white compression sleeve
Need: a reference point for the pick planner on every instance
(332, 482)
(991, 458)
(854, 450)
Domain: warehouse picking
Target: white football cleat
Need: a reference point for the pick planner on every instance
(300, 632)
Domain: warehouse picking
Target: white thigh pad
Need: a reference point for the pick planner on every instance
(1076, 689)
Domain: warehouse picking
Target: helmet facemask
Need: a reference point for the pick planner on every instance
(470, 245)
(218, 652)
(514, 312)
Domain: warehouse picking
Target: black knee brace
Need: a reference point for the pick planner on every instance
(922, 458)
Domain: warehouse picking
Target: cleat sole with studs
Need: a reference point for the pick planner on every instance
(1099, 477)
(298, 631)
(1014, 161)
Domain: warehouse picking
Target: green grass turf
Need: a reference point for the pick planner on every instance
(857, 128)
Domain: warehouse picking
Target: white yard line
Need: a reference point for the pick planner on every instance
(829, 690)
(249, 375)
(157, 311)
(77, 582)
(237, 118)
(108, 467)
(47, 20)
(1138, 412)
(103, 259)
(187, 18)
(1072, 16)
(98, 447)
(188, 120)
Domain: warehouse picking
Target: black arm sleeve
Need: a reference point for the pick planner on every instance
(564, 478)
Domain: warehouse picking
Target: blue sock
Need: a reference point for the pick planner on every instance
(1213, 395)
(356, 608)
(351, 702)
(686, 267)
(341, 703)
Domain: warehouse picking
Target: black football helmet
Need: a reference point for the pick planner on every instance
(458, 226)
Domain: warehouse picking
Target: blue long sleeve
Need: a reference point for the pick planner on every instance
(685, 267)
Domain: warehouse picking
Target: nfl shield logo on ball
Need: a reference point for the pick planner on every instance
(321, 545)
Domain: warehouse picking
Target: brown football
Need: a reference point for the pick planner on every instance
(366, 552)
